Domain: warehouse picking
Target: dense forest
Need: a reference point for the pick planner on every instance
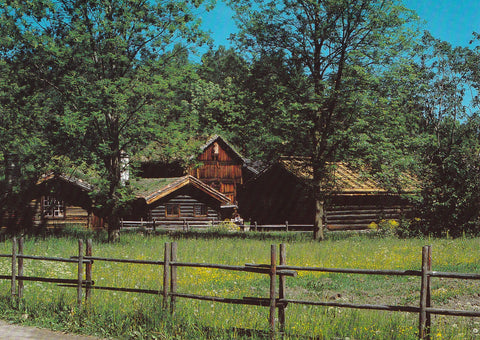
(336, 80)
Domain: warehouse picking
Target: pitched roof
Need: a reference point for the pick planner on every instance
(153, 189)
(216, 138)
(343, 179)
(80, 183)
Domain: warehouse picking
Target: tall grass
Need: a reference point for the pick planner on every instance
(131, 315)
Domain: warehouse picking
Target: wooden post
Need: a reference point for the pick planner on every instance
(154, 226)
(429, 301)
(184, 224)
(166, 273)
(256, 226)
(173, 279)
(286, 225)
(14, 268)
(88, 271)
(281, 289)
(80, 273)
(20, 268)
(273, 279)
(121, 223)
(423, 330)
(188, 226)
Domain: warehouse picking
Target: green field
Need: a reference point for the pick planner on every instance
(132, 315)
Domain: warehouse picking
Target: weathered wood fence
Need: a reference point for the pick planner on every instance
(182, 224)
(277, 300)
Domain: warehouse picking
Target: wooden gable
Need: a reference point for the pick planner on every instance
(219, 166)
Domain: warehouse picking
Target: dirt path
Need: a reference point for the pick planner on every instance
(16, 332)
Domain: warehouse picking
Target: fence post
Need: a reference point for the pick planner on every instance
(423, 329)
(286, 225)
(154, 226)
(281, 289)
(20, 268)
(166, 273)
(173, 273)
(429, 301)
(88, 271)
(14, 267)
(80, 273)
(256, 226)
(273, 279)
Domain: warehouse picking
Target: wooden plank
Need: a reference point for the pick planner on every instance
(423, 331)
(273, 282)
(173, 277)
(166, 273)
(88, 271)
(80, 273)
(14, 269)
(282, 289)
(20, 267)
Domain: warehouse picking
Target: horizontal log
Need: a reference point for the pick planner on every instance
(127, 290)
(107, 259)
(449, 275)
(46, 258)
(452, 312)
(252, 301)
(392, 308)
(344, 270)
(250, 269)
(51, 280)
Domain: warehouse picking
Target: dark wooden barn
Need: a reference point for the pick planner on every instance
(176, 199)
(282, 193)
(220, 166)
(63, 200)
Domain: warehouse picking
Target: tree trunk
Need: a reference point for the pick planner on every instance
(318, 227)
(113, 228)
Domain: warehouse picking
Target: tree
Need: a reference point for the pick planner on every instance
(340, 45)
(451, 163)
(98, 65)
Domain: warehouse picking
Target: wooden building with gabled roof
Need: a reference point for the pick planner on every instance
(283, 192)
(222, 167)
(62, 200)
(176, 199)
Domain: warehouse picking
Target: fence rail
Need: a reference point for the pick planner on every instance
(277, 301)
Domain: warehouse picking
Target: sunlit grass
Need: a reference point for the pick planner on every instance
(131, 315)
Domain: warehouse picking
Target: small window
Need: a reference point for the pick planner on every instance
(172, 210)
(200, 210)
(53, 208)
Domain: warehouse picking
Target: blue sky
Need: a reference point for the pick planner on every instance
(450, 20)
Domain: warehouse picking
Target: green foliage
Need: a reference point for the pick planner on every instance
(98, 72)
(451, 163)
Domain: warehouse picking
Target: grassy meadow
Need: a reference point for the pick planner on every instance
(136, 316)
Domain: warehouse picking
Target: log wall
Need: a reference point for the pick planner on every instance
(186, 204)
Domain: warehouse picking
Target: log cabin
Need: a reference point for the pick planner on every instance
(170, 200)
(63, 200)
(217, 164)
(223, 168)
(283, 193)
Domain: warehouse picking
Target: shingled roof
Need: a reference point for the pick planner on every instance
(75, 181)
(344, 179)
(153, 189)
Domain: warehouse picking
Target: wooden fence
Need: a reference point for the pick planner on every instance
(277, 300)
(184, 224)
